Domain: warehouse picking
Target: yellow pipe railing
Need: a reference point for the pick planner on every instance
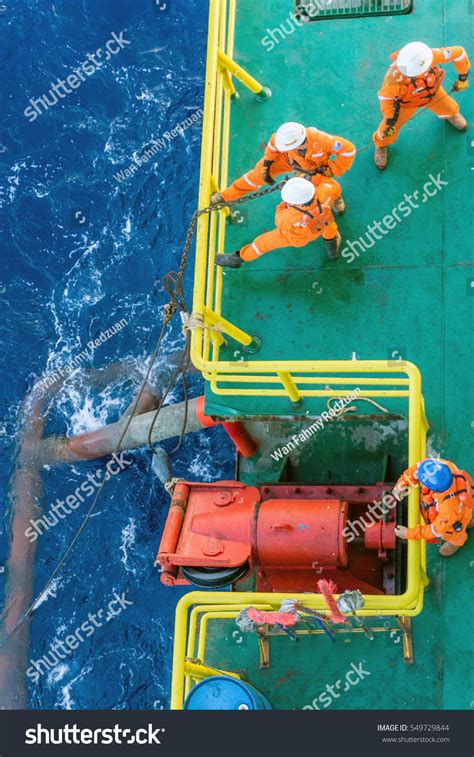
(294, 379)
(289, 385)
(408, 604)
(228, 605)
(208, 279)
(242, 75)
(193, 627)
(213, 319)
(198, 670)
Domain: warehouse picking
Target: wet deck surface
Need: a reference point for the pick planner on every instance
(409, 295)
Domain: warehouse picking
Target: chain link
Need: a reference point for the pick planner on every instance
(210, 209)
(173, 284)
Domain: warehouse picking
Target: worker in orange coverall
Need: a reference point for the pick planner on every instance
(414, 81)
(446, 503)
(306, 152)
(303, 216)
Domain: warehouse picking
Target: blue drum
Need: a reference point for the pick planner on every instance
(225, 693)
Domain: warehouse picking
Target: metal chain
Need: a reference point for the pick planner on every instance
(173, 283)
(210, 209)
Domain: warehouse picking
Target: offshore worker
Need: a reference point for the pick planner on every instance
(306, 152)
(446, 503)
(303, 215)
(414, 81)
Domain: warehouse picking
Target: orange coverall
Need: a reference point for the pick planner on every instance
(441, 510)
(321, 150)
(419, 92)
(297, 227)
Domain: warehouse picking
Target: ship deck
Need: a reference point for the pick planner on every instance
(409, 296)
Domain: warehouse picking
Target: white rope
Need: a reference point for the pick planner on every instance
(196, 321)
(171, 483)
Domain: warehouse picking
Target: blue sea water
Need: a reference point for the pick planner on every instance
(80, 252)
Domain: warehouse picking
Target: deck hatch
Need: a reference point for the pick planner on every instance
(322, 10)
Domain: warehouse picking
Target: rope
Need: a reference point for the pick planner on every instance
(173, 284)
(196, 321)
(352, 408)
(171, 483)
(30, 610)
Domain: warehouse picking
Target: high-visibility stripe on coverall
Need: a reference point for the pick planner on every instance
(321, 150)
(421, 91)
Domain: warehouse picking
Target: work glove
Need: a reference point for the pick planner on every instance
(390, 127)
(266, 174)
(302, 174)
(324, 170)
(401, 532)
(461, 83)
(391, 122)
(397, 492)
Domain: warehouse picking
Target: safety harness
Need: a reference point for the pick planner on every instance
(419, 90)
(310, 215)
(426, 504)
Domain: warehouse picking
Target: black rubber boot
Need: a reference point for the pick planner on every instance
(229, 261)
(332, 246)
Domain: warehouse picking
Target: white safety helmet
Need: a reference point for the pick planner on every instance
(290, 136)
(414, 59)
(297, 191)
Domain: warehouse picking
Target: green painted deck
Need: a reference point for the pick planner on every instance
(409, 295)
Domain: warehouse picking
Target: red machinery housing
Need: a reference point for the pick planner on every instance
(287, 536)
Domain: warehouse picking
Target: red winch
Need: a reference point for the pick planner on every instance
(290, 536)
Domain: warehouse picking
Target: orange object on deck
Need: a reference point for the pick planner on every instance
(297, 532)
(245, 444)
(290, 536)
(172, 531)
(380, 536)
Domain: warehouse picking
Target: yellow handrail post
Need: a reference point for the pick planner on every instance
(196, 669)
(213, 319)
(217, 338)
(228, 84)
(290, 386)
(263, 93)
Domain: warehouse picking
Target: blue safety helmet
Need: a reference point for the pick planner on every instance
(435, 475)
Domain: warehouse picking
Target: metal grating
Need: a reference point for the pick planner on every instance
(322, 10)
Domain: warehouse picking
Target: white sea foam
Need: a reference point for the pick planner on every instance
(129, 534)
(57, 673)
